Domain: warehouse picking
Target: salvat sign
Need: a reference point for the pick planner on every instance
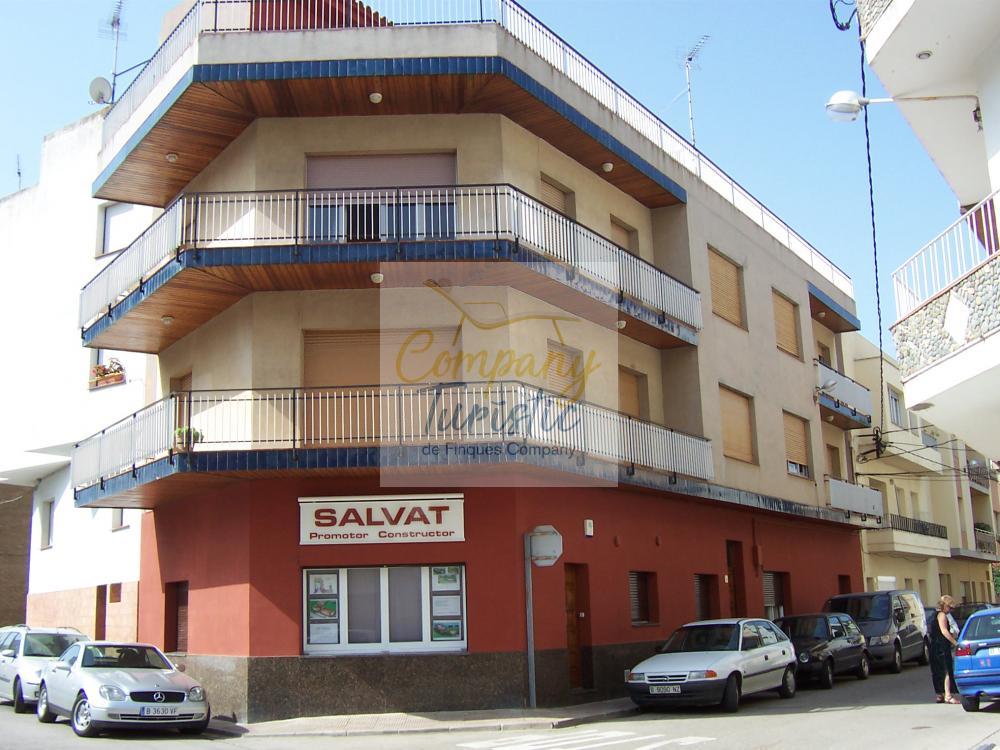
(381, 520)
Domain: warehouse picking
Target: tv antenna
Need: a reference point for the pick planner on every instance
(689, 62)
(19, 172)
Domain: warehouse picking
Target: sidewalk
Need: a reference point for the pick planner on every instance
(443, 721)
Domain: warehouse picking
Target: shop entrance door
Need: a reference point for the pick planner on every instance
(576, 624)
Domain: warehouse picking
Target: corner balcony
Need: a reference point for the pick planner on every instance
(948, 333)
(208, 250)
(197, 440)
(903, 535)
(842, 401)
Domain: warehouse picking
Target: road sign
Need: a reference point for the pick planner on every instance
(546, 546)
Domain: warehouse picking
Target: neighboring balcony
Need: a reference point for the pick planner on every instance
(986, 542)
(904, 535)
(980, 476)
(983, 547)
(208, 250)
(842, 401)
(853, 498)
(948, 333)
(197, 440)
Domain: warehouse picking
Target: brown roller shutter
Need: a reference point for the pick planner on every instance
(629, 398)
(182, 616)
(379, 171)
(796, 441)
(737, 427)
(727, 300)
(785, 331)
(563, 370)
(553, 197)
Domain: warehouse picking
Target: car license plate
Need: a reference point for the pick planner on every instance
(995, 651)
(158, 711)
(664, 689)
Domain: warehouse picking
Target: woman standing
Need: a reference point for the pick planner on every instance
(942, 642)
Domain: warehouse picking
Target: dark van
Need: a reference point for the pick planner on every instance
(893, 623)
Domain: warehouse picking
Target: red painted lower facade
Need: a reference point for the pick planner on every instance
(238, 550)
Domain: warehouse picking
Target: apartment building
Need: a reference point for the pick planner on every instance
(940, 499)
(55, 236)
(425, 281)
(943, 70)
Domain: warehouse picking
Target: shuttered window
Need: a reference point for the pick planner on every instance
(737, 425)
(642, 596)
(176, 611)
(796, 444)
(727, 293)
(630, 387)
(703, 585)
(563, 370)
(785, 331)
(554, 196)
(379, 171)
(774, 595)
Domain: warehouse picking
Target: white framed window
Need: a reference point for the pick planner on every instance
(896, 412)
(388, 609)
(121, 224)
(46, 513)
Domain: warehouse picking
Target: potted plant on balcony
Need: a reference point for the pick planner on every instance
(110, 374)
(185, 438)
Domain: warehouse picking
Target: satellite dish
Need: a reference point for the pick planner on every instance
(100, 90)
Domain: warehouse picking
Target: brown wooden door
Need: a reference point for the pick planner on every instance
(737, 583)
(574, 653)
(100, 613)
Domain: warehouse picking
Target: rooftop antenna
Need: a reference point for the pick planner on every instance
(689, 59)
(18, 171)
(114, 30)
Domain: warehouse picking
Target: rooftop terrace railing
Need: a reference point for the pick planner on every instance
(972, 240)
(226, 16)
(389, 215)
(383, 415)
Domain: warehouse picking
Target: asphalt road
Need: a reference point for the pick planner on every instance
(886, 711)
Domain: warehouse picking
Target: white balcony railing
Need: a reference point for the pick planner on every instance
(986, 542)
(301, 217)
(853, 497)
(218, 16)
(846, 391)
(383, 416)
(973, 239)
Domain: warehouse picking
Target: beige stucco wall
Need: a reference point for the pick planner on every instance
(77, 608)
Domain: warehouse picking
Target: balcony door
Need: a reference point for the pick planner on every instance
(379, 198)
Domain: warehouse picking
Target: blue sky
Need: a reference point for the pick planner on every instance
(759, 92)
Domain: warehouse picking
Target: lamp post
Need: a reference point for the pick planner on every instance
(845, 106)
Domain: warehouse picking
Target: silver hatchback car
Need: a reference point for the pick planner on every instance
(102, 685)
(24, 652)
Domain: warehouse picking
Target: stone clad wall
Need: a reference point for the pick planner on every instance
(922, 338)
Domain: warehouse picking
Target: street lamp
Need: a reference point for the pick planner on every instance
(845, 106)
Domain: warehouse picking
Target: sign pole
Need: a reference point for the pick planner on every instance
(530, 616)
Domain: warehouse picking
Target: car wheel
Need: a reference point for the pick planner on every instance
(864, 668)
(20, 705)
(897, 660)
(787, 689)
(925, 655)
(826, 676)
(42, 709)
(970, 703)
(731, 695)
(81, 720)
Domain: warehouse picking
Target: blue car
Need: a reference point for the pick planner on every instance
(977, 659)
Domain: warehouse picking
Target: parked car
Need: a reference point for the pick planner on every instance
(893, 623)
(715, 662)
(977, 659)
(962, 612)
(102, 685)
(24, 652)
(827, 645)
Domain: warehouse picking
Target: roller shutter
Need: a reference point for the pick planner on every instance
(785, 330)
(727, 299)
(737, 426)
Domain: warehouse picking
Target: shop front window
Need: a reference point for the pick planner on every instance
(387, 609)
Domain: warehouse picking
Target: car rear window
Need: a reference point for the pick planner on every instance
(703, 638)
(804, 627)
(861, 608)
(982, 627)
(48, 644)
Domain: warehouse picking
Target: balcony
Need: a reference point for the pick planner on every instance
(980, 476)
(986, 542)
(229, 62)
(853, 498)
(903, 535)
(842, 401)
(199, 439)
(207, 250)
(947, 333)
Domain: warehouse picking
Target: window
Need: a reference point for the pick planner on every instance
(176, 611)
(786, 330)
(70, 654)
(774, 595)
(901, 508)
(833, 462)
(642, 597)
(114, 593)
(796, 445)
(727, 288)
(737, 425)
(922, 589)
(823, 354)
(394, 609)
(908, 583)
(15, 644)
(944, 581)
(118, 519)
(632, 393)
(896, 412)
(705, 593)
(564, 370)
(122, 223)
(557, 196)
(46, 516)
(623, 235)
(751, 637)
